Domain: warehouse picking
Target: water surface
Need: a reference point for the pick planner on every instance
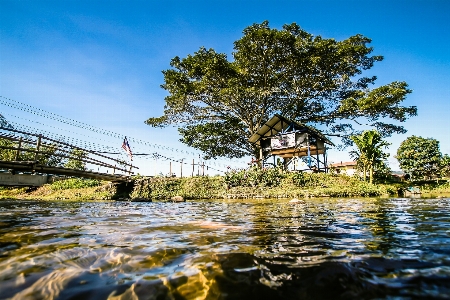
(226, 249)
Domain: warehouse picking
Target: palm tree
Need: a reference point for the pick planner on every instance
(369, 153)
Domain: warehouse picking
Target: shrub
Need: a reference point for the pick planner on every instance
(255, 176)
(74, 183)
(202, 187)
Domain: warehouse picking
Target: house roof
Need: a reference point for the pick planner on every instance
(344, 164)
(278, 124)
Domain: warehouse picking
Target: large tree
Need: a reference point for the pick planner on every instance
(420, 157)
(369, 153)
(219, 103)
(444, 165)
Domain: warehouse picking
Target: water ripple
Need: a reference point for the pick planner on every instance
(226, 249)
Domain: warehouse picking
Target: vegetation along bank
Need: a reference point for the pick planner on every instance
(249, 183)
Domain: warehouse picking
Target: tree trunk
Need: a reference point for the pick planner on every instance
(371, 174)
(258, 156)
(364, 172)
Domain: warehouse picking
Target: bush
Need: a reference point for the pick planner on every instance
(255, 176)
(203, 187)
(74, 183)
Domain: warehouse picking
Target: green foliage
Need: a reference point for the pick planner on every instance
(382, 173)
(74, 183)
(420, 157)
(48, 157)
(75, 160)
(335, 185)
(215, 139)
(433, 186)
(299, 184)
(9, 155)
(219, 103)
(369, 153)
(255, 176)
(300, 179)
(161, 188)
(6, 154)
(444, 165)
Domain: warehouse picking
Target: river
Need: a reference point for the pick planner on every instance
(396, 248)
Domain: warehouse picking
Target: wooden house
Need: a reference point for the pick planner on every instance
(288, 139)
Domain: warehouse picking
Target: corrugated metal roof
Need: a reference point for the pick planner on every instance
(279, 123)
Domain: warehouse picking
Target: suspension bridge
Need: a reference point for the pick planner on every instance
(37, 143)
(45, 155)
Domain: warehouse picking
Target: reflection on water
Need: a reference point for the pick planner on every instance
(262, 249)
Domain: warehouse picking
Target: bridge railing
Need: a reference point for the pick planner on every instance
(40, 145)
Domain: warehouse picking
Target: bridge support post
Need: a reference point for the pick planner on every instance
(38, 146)
(18, 150)
(181, 168)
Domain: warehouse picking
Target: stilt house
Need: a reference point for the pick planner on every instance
(291, 141)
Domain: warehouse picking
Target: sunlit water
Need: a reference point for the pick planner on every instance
(247, 249)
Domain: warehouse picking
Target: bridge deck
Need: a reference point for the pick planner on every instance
(34, 166)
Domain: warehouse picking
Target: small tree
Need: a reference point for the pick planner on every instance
(420, 157)
(49, 156)
(10, 155)
(7, 154)
(382, 172)
(75, 160)
(369, 153)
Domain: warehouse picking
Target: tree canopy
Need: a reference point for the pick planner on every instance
(4, 123)
(219, 103)
(445, 165)
(420, 157)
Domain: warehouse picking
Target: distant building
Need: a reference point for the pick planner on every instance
(348, 168)
(399, 176)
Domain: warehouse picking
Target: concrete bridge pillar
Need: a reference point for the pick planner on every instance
(8, 179)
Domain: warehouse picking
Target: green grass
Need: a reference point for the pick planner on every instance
(74, 183)
(274, 184)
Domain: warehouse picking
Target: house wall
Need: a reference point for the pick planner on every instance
(350, 171)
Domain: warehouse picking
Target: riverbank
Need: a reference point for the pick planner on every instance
(231, 187)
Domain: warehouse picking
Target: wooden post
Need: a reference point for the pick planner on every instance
(170, 169)
(193, 167)
(198, 166)
(38, 146)
(260, 162)
(181, 168)
(203, 169)
(18, 150)
(309, 151)
(317, 155)
(114, 169)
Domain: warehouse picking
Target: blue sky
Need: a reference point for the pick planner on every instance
(100, 62)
